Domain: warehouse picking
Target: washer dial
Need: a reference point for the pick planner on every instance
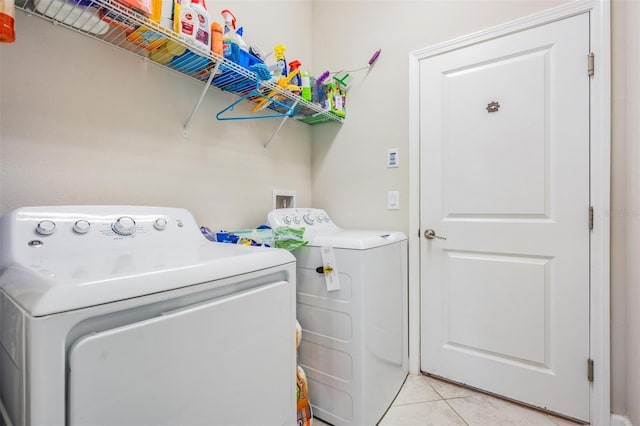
(81, 226)
(308, 219)
(124, 226)
(45, 227)
(160, 224)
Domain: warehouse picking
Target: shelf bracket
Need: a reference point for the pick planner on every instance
(284, 120)
(214, 71)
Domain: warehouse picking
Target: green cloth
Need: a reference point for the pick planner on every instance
(289, 238)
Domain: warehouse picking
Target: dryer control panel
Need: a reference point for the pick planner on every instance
(76, 231)
(316, 219)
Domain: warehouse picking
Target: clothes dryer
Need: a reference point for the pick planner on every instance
(355, 339)
(118, 315)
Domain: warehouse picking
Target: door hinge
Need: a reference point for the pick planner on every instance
(591, 66)
(590, 218)
(590, 369)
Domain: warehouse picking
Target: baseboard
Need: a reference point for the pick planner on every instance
(618, 420)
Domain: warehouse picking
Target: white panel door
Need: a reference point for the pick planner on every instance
(505, 298)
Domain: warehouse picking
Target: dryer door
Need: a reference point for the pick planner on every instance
(225, 361)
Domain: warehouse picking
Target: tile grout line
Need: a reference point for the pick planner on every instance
(455, 411)
(447, 402)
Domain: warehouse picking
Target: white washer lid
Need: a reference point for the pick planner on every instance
(356, 239)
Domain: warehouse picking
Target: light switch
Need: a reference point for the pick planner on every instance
(393, 200)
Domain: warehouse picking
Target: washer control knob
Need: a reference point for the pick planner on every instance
(81, 226)
(308, 219)
(286, 219)
(296, 220)
(124, 226)
(325, 218)
(160, 224)
(320, 219)
(45, 227)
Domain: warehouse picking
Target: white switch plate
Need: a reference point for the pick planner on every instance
(393, 200)
(392, 157)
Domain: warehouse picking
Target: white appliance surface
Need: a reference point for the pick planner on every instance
(128, 315)
(354, 346)
(69, 270)
(320, 230)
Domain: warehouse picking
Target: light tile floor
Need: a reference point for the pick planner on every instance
(426, 401)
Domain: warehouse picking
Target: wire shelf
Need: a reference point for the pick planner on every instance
(113, 23)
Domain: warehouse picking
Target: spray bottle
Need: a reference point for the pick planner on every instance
(280, 68)
(229, 44)
(7, 14)
(295, 65)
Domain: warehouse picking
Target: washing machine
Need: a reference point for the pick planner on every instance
(354, 346)
(119, 315)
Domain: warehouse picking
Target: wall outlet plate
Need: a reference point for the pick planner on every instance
(283, 199)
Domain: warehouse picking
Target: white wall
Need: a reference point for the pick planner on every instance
(619, 212)
(83, 123)
(632, 213)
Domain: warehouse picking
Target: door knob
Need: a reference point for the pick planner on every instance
(430, 234)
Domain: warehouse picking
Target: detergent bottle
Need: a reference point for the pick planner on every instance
(7, 14)
(216, 38)
(202, 32)
(187, 20)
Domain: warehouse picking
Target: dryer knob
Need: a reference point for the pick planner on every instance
(81, 226)
(296, 220)
(160, 224)
(124, 226)
(45, 227)
(308, 219)
(286, 219)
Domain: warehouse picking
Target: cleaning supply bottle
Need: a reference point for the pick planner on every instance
(229, 44)
(241, 43)
(216, 38)
(293, 66)
(280, 68)
(305, 84)
(188, 20)
(7, 22)
(202, 32)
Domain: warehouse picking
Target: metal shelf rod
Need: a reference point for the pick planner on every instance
(214, 71)
(284, 120)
